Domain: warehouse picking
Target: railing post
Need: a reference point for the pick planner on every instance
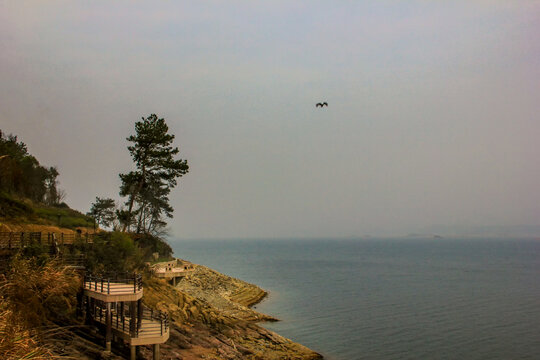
(10, 236)
(101, 284)
(108, 286)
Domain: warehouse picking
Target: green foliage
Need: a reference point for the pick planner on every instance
(38, 252)
(10, 207)
(63, 217)
(103, 210)
(21, 173)
(112, 252)
(148, 187)
(152, 244)
(25, 211)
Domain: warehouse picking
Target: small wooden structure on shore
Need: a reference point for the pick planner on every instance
(172, 270)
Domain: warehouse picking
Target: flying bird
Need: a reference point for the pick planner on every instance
(321, 104)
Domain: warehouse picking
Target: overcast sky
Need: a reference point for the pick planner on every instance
(433, 116)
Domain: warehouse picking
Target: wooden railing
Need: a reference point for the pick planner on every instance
(17, 240)
(117, 283)
(157, 323)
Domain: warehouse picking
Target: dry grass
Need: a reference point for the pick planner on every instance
(18, 342)
(18, 227)
(39, 293)
(31, 297)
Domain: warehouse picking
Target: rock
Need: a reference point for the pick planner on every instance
(211, 319)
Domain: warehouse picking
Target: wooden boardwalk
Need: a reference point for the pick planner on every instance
(18, 240)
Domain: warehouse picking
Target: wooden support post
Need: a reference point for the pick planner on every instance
(122, 314)
(80, 300)
(92, 308)
(108, 334)
(88, 314)
(133, 352)
(139, 313)
(156, 351)
(174, 281)
(133, 318)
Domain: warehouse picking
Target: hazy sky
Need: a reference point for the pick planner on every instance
(433, 114)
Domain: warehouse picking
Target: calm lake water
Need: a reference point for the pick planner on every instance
(393, 298)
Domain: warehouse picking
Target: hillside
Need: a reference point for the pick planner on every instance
(23, 214)
(41, 302)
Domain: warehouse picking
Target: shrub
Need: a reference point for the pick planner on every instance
(152, 244)
(113, 252)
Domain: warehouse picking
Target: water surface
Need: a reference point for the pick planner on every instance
(392, 298)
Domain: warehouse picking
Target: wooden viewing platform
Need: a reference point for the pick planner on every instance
(114, 288)
(115, 302)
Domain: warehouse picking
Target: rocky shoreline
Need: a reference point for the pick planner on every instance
(212, 319)
(229, 295)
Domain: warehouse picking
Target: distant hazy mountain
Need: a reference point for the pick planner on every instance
(496, 231)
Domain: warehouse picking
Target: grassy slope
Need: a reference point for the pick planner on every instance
(23, 215)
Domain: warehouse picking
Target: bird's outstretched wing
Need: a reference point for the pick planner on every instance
(324, 104)
(318, 104)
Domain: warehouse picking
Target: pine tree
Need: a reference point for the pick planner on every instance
(102, 211)
(148, 187)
